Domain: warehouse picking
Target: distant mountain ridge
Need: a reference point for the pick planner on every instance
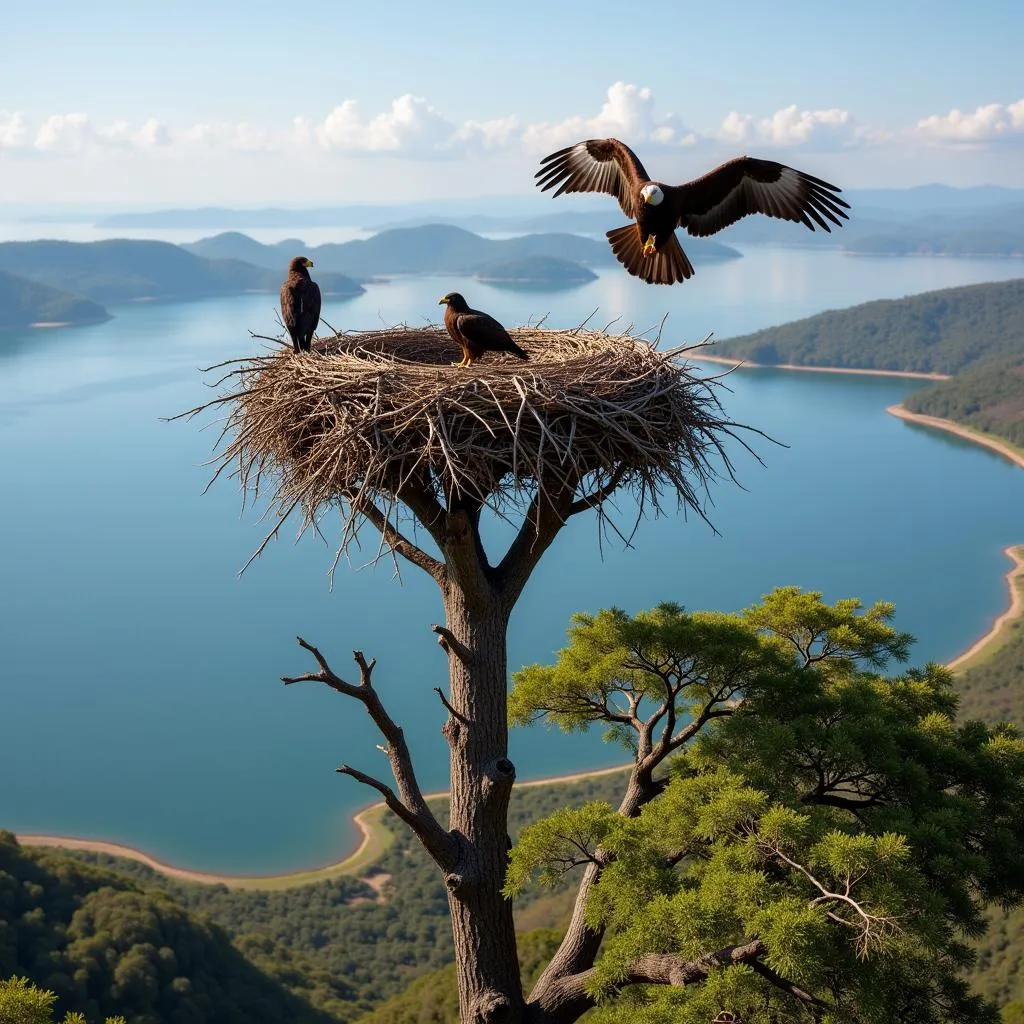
(432, 249)
(123, 270)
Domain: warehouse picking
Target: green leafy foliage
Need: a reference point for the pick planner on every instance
(22, 1003)
(820, 841)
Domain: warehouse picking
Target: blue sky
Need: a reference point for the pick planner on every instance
(230, 101)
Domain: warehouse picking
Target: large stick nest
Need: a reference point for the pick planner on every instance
(372, 412)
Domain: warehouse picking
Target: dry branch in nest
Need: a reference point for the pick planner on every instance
(373, 416)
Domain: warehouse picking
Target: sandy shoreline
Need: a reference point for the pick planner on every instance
(375, 833)
(1015, 583)
(744, 364)
(988, 440)
(375, 839)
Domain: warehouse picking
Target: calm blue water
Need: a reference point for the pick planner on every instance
(139, 699)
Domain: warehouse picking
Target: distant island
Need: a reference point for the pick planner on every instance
(434, 249)
(122, 270)
(25, 303)
(545, 271)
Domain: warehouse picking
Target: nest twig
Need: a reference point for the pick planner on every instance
(355, 422)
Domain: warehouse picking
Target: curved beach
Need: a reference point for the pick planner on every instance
(745, 364)
(371, 820)
(376, 838)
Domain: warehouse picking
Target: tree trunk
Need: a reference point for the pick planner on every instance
(490, 991)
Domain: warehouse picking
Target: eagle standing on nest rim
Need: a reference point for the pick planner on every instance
(649, 248)
(300, 304)
(475, 332)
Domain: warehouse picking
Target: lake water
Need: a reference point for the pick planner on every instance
(139, 699)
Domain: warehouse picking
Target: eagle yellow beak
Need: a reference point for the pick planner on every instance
(443, 302)
(649, 246)
(309, 263)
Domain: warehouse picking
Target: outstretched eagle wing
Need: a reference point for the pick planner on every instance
(597, 165)
(747, 185)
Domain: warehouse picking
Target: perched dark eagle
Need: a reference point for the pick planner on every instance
(300, 303)
(475, 332)
(649, 248)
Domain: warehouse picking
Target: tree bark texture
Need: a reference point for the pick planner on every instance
(481, 784)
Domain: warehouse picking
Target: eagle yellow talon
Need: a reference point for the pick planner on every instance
(649, 246)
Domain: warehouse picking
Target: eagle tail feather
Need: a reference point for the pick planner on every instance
(667, 266)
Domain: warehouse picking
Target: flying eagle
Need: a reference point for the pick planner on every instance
(300, 304)
(475, 332)
(649, 248)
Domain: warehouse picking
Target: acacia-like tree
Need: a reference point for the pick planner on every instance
(732, 878)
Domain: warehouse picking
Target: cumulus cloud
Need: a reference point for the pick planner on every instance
(628, 113)
(792, 126)
(13, 129)
(989, 123)
(75, 133)
(409, 125)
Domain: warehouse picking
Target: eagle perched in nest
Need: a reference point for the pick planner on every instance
(300, 304)
(475, 332)
(649, 249)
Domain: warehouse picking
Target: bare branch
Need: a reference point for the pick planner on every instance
(450, 644)
(451, 711)
(563, 1000)
(597, 496)
(816, 1006)
(412, 807)
(397, 541)
(870, 927)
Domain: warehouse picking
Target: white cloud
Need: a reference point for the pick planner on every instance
(410, 125)
(64, 133)
(792, 126)
(13, 130)
(627, 113)
(989, 123)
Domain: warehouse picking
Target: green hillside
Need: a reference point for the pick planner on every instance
(24, 302)
(988, 396)
(335, 943)
(105, 946)
(936, 332)
(121, 270)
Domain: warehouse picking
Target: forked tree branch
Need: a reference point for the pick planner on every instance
(546, 515)
(411, 807)
(580, 944)
(398, 542)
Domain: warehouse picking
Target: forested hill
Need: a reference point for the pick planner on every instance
(105, 947)
(24, 302)
(988, 396)
(936, 332)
